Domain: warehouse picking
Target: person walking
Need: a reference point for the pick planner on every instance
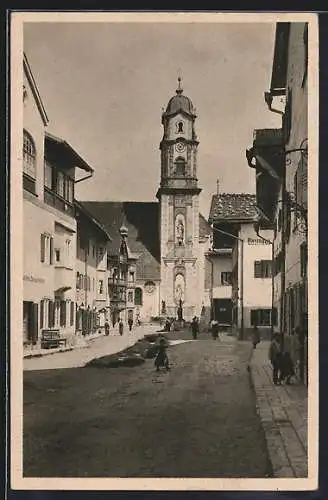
(130, 323)
(275, 357)
(215, 329)
(120, 326)
(194, 327)
(255, 336)
(106, 327)
(161, 357)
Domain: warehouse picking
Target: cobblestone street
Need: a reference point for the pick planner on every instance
(198, 420)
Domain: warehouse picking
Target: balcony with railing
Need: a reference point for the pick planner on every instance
(56, 201)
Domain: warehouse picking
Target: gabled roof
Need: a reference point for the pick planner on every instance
(79, 207)
(233, 207)
(142, 222)
(60, 147)
(34, 88)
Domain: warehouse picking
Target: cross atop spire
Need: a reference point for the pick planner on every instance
(179, 90)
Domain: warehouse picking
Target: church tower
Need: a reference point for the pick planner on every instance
(178, 195)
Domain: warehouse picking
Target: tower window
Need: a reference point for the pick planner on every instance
(180, 167)
(180, 127)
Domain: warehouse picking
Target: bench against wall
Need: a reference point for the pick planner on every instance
(51, 339)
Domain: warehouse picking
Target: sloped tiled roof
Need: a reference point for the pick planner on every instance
(233, 206)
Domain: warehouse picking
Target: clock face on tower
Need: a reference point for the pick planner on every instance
(180, 147)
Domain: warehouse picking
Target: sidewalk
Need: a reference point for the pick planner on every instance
(283, 413)
(96, 347)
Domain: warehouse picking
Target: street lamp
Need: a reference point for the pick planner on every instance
(241, 294)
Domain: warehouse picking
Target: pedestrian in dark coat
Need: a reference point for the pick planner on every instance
(161, 357)
(195, 327)
(287, 370)
(120, 327)
(215, 329)
(255, 337)
(106, 327)
(275, 357)
(130, 323)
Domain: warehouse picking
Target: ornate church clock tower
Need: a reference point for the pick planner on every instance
(179, 210)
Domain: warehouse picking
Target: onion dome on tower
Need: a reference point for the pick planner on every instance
(179, 103)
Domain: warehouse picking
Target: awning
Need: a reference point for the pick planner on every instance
(62, 289)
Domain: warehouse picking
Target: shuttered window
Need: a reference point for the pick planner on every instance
(41, 313)
(51, 250)
(51, 315)
(72, 314)
(263, 317)
(62, 313)
(262, 269)
(42, 247)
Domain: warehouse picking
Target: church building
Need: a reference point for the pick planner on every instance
(169, 237)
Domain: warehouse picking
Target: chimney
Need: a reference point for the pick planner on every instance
(218, 186)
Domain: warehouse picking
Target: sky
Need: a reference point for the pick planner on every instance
(104, 85)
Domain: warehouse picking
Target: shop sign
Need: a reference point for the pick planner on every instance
(257, 241)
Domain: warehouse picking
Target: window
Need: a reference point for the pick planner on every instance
(130, 296)
(262, 268)
(78, 281)
(131, 276)
(68, 246)
(180, 127)
(262, 317)
(57, 255)
(46, 248)
(29, 156)
(48, 175)
(62, 313)
(72, 314)
(60, 184)
(138, 297)
(101, 287)
(226, 278)
(51, 314)
(180, 167)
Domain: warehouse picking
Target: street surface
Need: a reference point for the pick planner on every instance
(101, 346)
(198, 420)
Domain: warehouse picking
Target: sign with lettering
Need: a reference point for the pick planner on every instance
(29, 277)
(257, 241)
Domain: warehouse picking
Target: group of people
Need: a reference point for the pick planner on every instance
(121, 325)
(214, 328)
(281, 361)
